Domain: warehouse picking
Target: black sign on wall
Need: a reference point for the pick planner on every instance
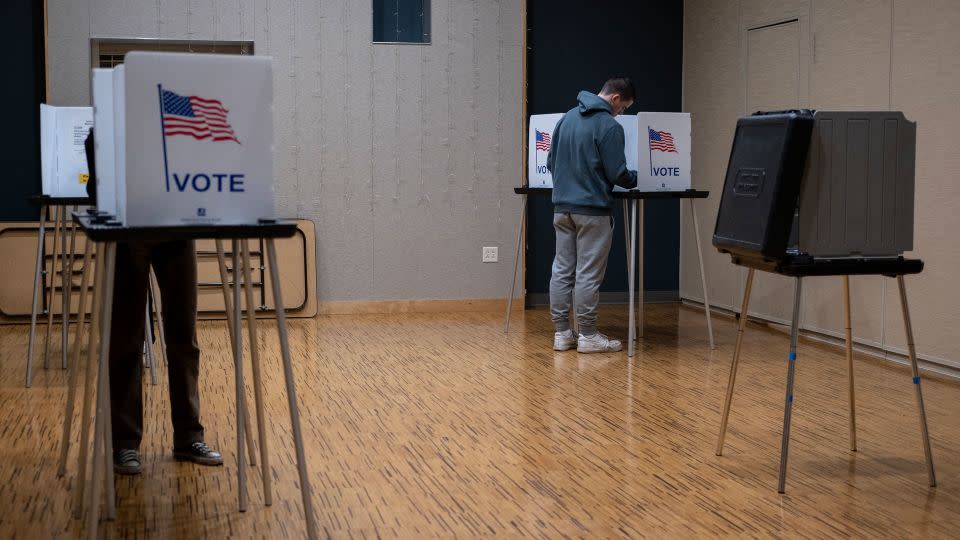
(572, 46)
(21, 95)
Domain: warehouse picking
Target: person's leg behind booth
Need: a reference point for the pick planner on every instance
(175, 265)
(594, 238)
(126, 348)
(562, 281)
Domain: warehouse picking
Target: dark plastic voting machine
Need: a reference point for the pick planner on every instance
(818, 185)
(762, 185)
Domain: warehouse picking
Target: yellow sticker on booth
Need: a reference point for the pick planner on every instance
(84, 177)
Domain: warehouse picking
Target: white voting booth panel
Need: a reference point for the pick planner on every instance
(663, 151)
(192, 138)
(539, 140)
(119, 143)
(103, 140)
(62, 155)
(656, 145)
(630, 136)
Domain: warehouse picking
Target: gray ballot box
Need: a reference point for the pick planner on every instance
(856, 195)
(841, 188)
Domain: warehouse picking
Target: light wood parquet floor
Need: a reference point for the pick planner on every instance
(439, 425)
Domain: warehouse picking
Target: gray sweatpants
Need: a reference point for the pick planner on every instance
(583, 247)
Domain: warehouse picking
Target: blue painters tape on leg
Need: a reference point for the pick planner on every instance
(916, 380)
(792, 356)
(790, 398)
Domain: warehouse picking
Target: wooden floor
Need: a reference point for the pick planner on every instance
(441, 426)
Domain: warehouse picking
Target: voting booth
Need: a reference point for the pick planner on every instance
(656, 145)
(192, 138)
(825, 193)
(825, 184)
(183, 151)
(64, 176)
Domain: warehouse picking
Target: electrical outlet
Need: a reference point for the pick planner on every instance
(490, 254)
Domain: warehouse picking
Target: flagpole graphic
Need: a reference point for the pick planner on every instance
(163, 133)
(650, 149)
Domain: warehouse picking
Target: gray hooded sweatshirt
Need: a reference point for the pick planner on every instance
(586, 158)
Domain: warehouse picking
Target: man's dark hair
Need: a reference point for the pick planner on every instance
(620, 85)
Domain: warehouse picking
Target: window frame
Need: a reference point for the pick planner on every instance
(427, 8)
(120, 46)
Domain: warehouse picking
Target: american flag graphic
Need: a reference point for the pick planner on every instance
(662, 141)
(543, 140)
(195, 116)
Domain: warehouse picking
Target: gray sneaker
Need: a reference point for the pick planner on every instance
(597, 343)
(199, 453)
(564, 341)
(126, 461)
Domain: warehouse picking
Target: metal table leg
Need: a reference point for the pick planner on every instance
(235, 337)
(516, 262)
(74, 377)
(788, 402)
(238, 378)
(849, 352)
(639, 262)
(158, 311)
(40, 268)
(626, 235)
(735, 363)
(257, 380)
(291, 392)
(103, 392)
(58, 219)
(67, 279)
(703, 274)
(97, 305)
(627, 228)
(927, 452)
(148, 341)
(631, 267)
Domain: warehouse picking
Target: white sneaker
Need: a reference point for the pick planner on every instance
(564, 341)
(597, 343)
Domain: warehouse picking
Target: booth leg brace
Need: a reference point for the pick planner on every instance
(908, 327)
(791, 370)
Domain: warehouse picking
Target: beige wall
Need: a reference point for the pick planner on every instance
(404, 156)
(853, 55)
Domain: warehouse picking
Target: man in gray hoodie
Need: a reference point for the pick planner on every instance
(586, 159)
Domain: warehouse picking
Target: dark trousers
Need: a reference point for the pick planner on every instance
(175, 265)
